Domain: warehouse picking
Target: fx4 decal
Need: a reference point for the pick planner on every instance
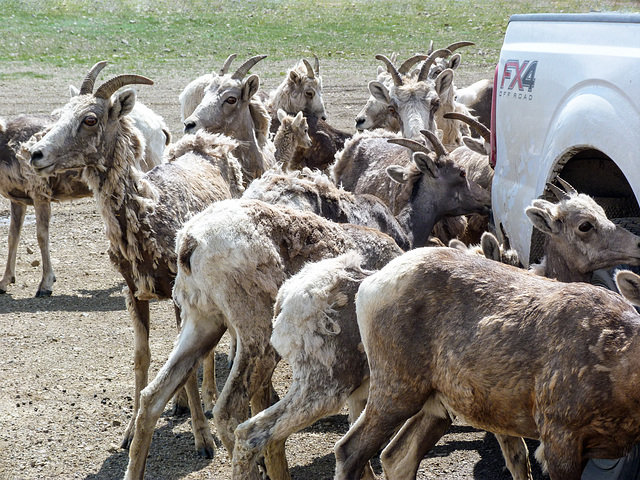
(520, 76)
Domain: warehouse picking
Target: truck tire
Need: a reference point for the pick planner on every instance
(625, 468)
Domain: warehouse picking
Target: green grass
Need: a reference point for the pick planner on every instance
(161, 32)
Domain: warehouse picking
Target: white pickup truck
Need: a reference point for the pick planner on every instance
(567, 103)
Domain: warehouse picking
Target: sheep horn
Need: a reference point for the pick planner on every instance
(438, 147)
(310, 73)
(227, 64)
(410, 62)
(484, 132)
(430, 51)
(424, 71)
(506, 243)
(457, 45)
(391, 69)
(410, 144)
(567, 186)
(90, 79)
(108, 88)
(316, 64)
(557, 191)
(246, 66)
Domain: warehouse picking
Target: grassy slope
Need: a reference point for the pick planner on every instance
(174, 34)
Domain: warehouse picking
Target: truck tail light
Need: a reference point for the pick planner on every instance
(493, 157)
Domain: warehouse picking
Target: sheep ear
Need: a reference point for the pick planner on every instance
(123, 104)
(490, 246)
(454, 62)
(628, 284)
(297, 120)
(475, 145)
(541, 216)
(379, 92)
(425, 164)
(444, 81)
(250, 87)
(457, 244)
(73, 91)
(294, 77)
(397, 173)
(281, 115)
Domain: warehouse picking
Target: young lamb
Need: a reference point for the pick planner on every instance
(506, 350)
(292, 134)
(230, 106)
(416, 189)
(142, 212)
(490, 248)
(232, 258)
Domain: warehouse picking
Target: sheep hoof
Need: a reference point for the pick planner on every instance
(179, 410)
(43, 293)
(2, 290)
(208, 414)
(206, 451)
(126, 443)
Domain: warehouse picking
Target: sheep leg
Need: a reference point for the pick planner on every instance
(43, 217)
(356, 403)
(562, 456)
(402, 457)
(195, 341)
(516, 456)
(18, 212)
(373, 428)
(254, 362)
(209, 384)
(139, 312)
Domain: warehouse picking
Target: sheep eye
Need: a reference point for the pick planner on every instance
(436, 105)
(463, 174)
(231, 100)
(392, 110)
(585, 226)
(90, 121)
(309, 94)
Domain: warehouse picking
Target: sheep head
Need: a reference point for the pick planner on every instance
(88, 128)
(225, 105)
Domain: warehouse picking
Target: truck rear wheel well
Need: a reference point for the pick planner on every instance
(594, 173)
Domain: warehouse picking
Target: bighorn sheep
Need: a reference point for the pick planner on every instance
(22, 187)
(232, 258)
(490, 248)
(141, 212)
(316, 332)
(230, 106)
(417, 189)
(477, 98)
(292, 134)
(300, 91)
(579, 236)
(510, 352)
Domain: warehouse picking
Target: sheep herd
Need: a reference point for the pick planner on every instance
(354, 257)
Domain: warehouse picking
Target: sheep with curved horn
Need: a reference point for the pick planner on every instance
(141, 212)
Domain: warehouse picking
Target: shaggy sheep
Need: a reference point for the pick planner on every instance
(142, 212)
(508, 351)
(232, 258)
(292, 134)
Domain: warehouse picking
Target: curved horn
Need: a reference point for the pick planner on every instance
(557, 191)
(424, 71)
(410, 62)
(90, 79)
(108, 88)
(438, 147)
(310, 73)
(506, 243)
(410, 144)
(316, 64)
(484, 132)
(457, 45)
(567, 186)
(391, 69)
(246, 66)
(227, 64)
(430, 51)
